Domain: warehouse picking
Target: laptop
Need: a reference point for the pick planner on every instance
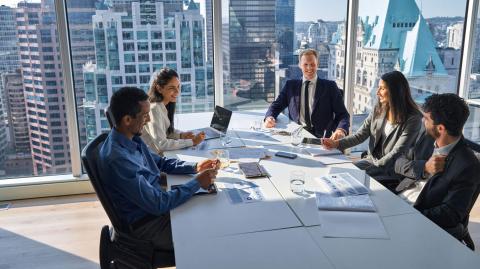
(219, 125)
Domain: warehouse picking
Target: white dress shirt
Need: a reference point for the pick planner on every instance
(155, 131)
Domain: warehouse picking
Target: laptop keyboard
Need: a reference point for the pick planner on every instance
(210, 133)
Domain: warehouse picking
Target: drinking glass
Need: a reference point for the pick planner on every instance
(297, 181)
(225, 139)
(224, 157)
(257, 125)
(296, 137)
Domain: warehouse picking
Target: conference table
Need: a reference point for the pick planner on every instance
(287, 230)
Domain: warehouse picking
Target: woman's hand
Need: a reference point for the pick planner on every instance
(197, 139)
(330, 143)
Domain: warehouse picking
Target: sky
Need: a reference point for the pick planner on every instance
(325, 10)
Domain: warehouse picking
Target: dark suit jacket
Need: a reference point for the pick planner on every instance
(448, 197)
(411, 164)
(328, 113)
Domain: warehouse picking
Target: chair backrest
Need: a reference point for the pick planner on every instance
(109, 116)
(90, 162)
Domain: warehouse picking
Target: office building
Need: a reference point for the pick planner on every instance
(128, 51)
(17, 114)
(42, 84)
(9, 59)
(404, 43)
(285, 29)
(455, 35)
(251, 53)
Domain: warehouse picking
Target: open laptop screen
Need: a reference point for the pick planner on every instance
(221, 119)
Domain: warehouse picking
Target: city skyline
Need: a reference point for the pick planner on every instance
(304, 12)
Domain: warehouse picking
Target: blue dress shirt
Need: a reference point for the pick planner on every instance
(130, 174)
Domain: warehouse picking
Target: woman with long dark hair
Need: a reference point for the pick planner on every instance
(392, 127)
(160, 133)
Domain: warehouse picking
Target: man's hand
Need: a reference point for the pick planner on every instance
(330, 143)
(208, 164)
(435, 164)
(187, 135)
(338, 134)
(198, 138)
(269, 122)
(206, 178)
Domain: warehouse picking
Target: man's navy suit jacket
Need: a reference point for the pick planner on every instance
(328, 113)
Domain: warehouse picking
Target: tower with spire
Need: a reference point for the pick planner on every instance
(395, 36)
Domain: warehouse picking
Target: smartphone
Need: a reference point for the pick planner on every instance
(313, 141)
(286, 154)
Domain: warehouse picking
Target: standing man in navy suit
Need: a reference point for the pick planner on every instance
(324, 115)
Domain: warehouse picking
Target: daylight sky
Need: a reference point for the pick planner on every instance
(336, 9)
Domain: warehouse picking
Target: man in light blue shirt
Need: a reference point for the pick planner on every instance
(131, 173)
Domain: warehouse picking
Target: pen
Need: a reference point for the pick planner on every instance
(324, 133)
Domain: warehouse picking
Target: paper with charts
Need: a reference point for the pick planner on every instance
(342, 192)
(243, 192)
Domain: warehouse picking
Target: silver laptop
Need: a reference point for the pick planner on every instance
(219, 124)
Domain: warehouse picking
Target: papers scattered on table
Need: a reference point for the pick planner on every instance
(334, 159)
(342, 184)
(342, 192)
(247, 154)
(243, 192)
(321, 151)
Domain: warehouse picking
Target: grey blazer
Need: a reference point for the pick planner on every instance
(398, 141)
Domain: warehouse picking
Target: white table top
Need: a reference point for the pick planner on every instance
(280, 249)
(414, 242)
(231, 236)
(210, 216)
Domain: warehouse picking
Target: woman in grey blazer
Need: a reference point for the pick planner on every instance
(392, 127)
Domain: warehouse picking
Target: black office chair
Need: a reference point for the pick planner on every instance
(118, 248)
(466, 238)
(109, 116)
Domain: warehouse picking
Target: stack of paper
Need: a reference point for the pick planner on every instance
(342, 192)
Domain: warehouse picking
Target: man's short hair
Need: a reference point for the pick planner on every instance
(126, 101)
(307, 52)
(447, 109)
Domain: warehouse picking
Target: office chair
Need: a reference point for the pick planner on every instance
(118, 248)
(109, 116)
(467, 239)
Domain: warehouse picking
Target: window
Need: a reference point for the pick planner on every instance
(142, 35)
(142, 46)
(128, 46)
(143, 57)
(131, 79)
(129, 58)
(157, 57)
(170, 45)
(156, 35)
(420, 50)
(130, 69)
(171, 56)
(127, 35)
(472, 94)
(157, 45)
(144, 68)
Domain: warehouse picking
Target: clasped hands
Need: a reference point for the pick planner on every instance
(207, 171)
